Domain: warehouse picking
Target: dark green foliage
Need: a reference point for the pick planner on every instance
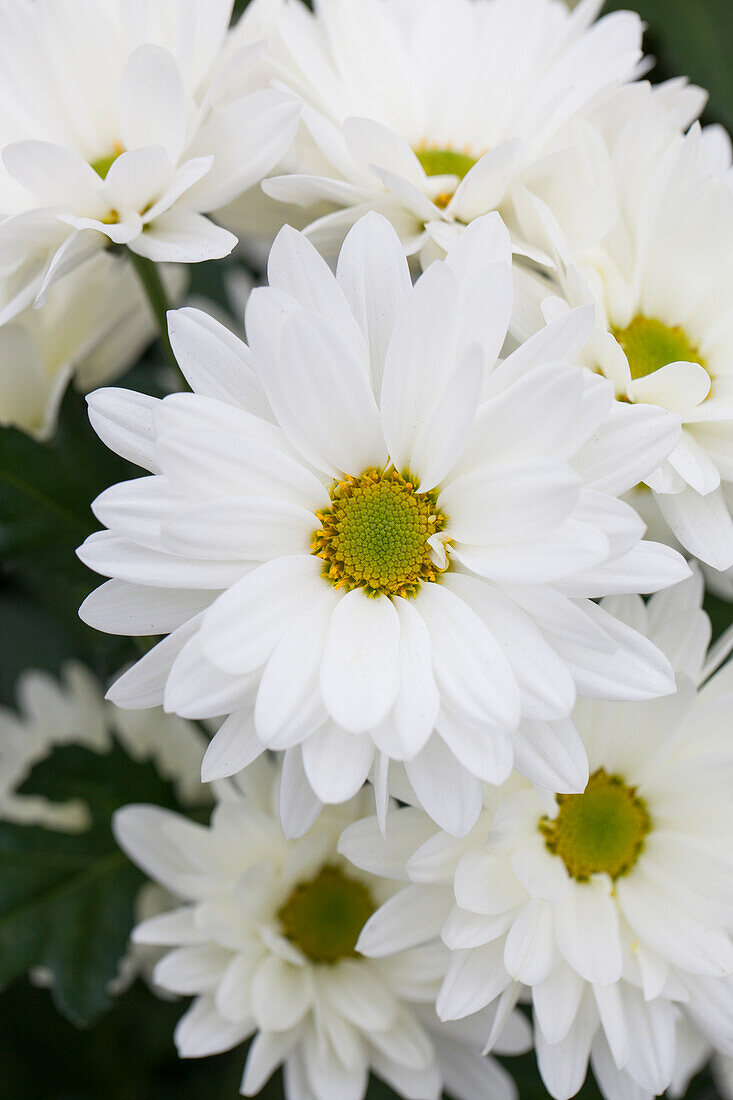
(67, 900)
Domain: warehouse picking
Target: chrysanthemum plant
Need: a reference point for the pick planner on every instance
(393, 755)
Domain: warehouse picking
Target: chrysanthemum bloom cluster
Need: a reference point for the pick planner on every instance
(125, 123)
(374, 540)
(430, 111)
(613, 906)
(396, 538)
(265, 942)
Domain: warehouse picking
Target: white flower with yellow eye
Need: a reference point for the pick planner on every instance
(614, 906)
(661, 283)
(372, 539)
(428, 110)
(265, 941)
(125, 122)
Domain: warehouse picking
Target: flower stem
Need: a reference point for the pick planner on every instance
(152, 284)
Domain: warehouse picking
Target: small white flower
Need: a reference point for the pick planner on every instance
(661, 284)
(373, 540)
(428, 111)
(95, 324)
(125, 122)
(265, 941)
(614, 906)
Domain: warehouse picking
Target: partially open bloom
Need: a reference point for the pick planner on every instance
(373, 540)
(125, 123)
(429, 110)
(265, 941)
(615, 906)
(662, 286)
(95, 324)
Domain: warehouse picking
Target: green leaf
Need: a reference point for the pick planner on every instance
(46, 490)
(67, 900)
(692, 38)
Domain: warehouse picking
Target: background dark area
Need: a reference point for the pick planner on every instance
(129, 1054)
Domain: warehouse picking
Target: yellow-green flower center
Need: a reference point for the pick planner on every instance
(650, 344)
(375, 534)
(324, 917)
(444, 162)
(103, 164)
(601, 830)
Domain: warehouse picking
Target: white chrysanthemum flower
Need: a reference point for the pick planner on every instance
(265, 940)
(662, 283)
(614, 906)
(93, 327)
(371, 539)
(125, 121)
(72, 711)
(429, 110)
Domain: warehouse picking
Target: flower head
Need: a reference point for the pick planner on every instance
(429, 111)
(372, 539)
(660, 285)
(125, 124)
(265, 941)
(614, 905)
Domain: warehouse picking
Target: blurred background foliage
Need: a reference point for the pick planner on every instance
(44, 495)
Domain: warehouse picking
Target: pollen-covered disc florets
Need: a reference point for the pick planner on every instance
(601, 830)
(324, 916)
(649, 345)
(375, 534)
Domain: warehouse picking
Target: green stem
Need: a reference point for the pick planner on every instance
(157, 297)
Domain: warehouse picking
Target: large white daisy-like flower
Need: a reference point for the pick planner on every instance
(662, 282)
(373, 540)
(71, 710)
(614, 906)
(95, 324)
(429, 110)
(125, 122)
(265, 941)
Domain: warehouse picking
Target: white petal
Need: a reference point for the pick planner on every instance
(152, 104)
(633, 441)
(418, 702)
(442, 437)
(214, 362)
(445, 789)
(360, 671)
(287, 714)
(281, 994)
(528, 949)
(515, 503)
(299, 807)
(552, 755)
(564, 1065)
(420, 360)
(234, 747)
(125, 422)
(471, 671)
(413, 916)
(202, 1031)
(182, 236)
(336, 763)
(322, 397)
(243, 627)
(118, 607)
(702, 524)
(375, 278)
(473, 980)
(587, 932)
(246, 528)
